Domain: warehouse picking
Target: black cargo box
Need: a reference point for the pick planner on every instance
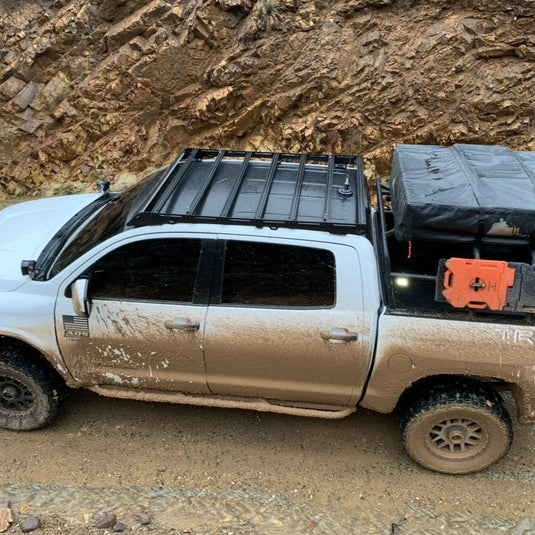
(463, 192)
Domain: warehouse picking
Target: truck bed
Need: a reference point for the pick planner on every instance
(410, 268)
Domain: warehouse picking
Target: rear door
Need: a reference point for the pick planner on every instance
(286, 322)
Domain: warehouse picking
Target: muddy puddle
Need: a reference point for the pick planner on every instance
(272, 514)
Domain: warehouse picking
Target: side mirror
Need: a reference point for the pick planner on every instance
(80, 304)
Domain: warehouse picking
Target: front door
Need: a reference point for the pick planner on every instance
(145, 328)
(288, 324)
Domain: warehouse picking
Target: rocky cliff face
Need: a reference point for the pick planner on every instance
(109, 88)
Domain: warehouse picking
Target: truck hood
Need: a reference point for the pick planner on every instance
(27, 227)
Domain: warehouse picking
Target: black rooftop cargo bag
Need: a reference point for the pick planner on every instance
(463, 192)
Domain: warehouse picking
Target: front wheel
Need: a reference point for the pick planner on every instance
(29, 396)
(456, 429)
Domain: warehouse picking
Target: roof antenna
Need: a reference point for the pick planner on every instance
(345, 191)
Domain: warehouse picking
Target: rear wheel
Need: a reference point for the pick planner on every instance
(29, 393)
(456, 429)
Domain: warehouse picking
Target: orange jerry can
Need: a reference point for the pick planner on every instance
(477, 283)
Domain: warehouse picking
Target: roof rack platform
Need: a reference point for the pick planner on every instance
(319, 192)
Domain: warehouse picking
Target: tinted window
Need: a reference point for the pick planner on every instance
(278, 275)
(155, 270)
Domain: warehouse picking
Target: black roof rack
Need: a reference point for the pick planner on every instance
(320, 192)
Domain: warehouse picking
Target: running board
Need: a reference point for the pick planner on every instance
(256, 404)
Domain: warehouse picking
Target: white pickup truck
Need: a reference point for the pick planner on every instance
(267, 281)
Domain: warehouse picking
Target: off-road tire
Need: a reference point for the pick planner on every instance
(29, 392)
(458, 428)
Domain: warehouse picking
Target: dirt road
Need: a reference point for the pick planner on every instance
(199, 470)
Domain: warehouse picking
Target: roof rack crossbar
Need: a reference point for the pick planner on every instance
(360, 188)
(329, 189)
(192, 208)
(172, 183)
(233, 195)
(267, 186)
(262, 186)
(298, 187)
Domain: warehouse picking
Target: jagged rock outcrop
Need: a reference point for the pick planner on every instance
(109, 88)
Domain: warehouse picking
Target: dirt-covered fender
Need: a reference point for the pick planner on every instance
(411, 348)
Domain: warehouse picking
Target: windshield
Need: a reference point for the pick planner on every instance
(108, 222)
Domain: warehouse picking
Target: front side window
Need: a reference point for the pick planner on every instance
(153, 270)
(267, 274)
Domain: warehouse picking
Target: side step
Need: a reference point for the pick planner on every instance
(256, 404)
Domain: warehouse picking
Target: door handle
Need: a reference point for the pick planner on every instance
(339, 334)
(181, 324)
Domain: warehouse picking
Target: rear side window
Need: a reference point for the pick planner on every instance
(266, 274)
(153, 270)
